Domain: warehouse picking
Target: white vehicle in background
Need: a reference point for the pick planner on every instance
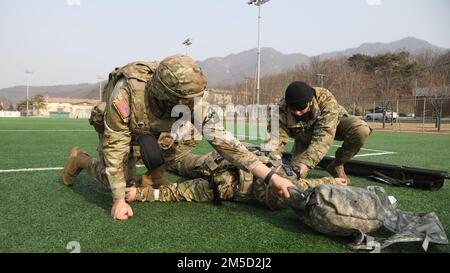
(378, 115)
(407, 115)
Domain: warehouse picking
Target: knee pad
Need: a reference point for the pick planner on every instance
(364, 131)
(151, 153)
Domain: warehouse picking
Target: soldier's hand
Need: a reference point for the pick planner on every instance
(130, 194)
(282, 185)
(121, 210)
(304, 170)
(341, 181)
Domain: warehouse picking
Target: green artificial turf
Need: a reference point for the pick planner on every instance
(39, 214)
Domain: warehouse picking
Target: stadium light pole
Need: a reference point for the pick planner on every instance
(258, 3)
(28, 72)
(187, 43)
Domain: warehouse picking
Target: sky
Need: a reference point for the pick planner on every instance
(77, 41)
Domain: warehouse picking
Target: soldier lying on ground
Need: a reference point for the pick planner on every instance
(139, 99)
(323, 204)
(216, 179)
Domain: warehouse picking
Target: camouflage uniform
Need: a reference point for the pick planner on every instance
(133, 107)
(326, 121)
(233, 184)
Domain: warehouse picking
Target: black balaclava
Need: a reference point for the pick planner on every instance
(298, 95)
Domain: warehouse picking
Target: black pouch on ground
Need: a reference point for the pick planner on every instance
(393, 175)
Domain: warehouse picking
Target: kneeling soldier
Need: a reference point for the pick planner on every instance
(313, 118)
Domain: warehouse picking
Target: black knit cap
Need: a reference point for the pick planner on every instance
(298, 95)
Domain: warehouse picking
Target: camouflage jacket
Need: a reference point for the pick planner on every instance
(121, 132)
(319, 129)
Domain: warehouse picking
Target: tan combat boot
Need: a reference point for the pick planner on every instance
(76, 162)
(146, 180)
(154, 178)
(337, 171)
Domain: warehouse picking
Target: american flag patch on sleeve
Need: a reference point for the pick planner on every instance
(122, 108)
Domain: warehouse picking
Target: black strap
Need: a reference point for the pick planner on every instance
(288, 170)
(269, 177)
(380, 177)
(297, 171)
(215, 188)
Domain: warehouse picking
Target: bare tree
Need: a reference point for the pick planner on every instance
(392, 73)
(39, 102)
(435, 77)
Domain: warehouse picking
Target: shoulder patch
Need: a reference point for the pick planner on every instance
(122, 108)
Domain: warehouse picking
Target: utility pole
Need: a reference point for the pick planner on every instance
(258, 3)
(28, 72)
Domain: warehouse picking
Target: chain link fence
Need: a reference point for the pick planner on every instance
(418, 114)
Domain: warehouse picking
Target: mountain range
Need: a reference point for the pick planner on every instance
(233, 68)
(237, 67)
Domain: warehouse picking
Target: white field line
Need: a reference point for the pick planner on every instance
(40, 169)
(372, 154)
(239, 136)
(377, 152)
(31, 130)
(141, 166)
(30, 170)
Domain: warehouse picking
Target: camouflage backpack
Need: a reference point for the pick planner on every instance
(136, 76)
(350, 211)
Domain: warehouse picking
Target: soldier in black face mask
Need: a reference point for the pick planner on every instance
(313, 118)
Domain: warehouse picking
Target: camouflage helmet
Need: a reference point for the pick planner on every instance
(178, 78)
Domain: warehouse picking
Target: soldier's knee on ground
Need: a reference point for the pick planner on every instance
(362, 133)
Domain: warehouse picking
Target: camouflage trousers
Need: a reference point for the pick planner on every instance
(352, 130)
(233, 184)
(97, 168)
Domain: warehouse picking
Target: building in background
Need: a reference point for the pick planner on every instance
(9, 114)
(62, 108)
(68, 108)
